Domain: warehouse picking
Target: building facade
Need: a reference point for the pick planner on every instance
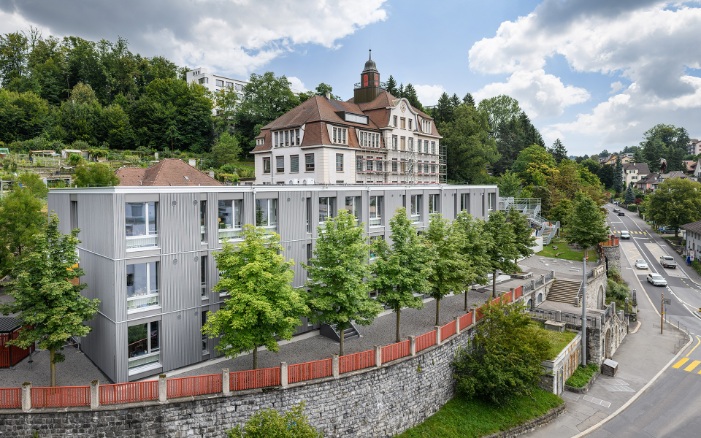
(374, 138)
(148, 252)
(214, 82)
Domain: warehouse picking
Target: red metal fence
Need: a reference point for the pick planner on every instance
(465, 321)
(60, 396)
(426, 340)
(251, 379)
(132, 392)
(356, 361)
(396, 351)
(518, 292)
(316, 369)
(10, 398)
(448, 330)
(194, 385)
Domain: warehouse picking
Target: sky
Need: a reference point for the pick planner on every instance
(597, 74)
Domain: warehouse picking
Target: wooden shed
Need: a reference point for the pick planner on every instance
(11, 355)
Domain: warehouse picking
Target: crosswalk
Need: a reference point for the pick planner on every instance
(633, 233)
(688, 365)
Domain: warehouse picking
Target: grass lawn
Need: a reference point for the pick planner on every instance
(582, 375)
(473, 418)
(558, 340)
(559, 249)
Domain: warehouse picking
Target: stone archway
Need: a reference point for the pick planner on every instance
(529, 304)
(539, 298)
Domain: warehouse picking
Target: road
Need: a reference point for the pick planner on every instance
(669, 408)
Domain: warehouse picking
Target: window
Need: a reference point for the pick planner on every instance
(368, 139)
(308, 211)
(74, 214)
(402, 143)
(410, 125)
(203, 80)
(280, 164)
(359, 164)
(433, 147)
(219, 83)
(402, 122)
(491, 201)
(141, 223)
(352, 205)
(287, 137)
(425, 167)
(433, 203)
(229, 84)
(238, 87)
(411, 144)
(394, 142)
(394, 164)
(266, 164)
(203, 221)
(416, 202)
(375, 210)
(339, 135)
(327, 208)
(266, 213)
(465, 202)
(370, 163)
(425, 146)
(378, 160)
(394, 119)
(309, 162)
(339, 162)
(205, 348)
(203, 276)
(294, 163)
(230, 218)
(143, 344)
(142, 285)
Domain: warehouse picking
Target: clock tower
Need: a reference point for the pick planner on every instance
(369, 87)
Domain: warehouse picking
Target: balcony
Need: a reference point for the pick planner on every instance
(229, 234)
(375, 221)
(141, 301)
(141, 242)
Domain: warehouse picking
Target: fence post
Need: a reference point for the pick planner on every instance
(438, 334)
(378, 356)
(225, 381)
(412, 345)
(513, 294)
(94, 394)
(26, 396)
(162, 388)
(335, 366)
(457, 325)
(284, 375)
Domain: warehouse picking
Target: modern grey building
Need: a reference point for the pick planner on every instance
(147, 253)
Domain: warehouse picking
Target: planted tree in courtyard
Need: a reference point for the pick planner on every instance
(504, 358)
(46, 293)
(504, 250)
(262, 306)
(523, 233)
(474, 248)
(586, 223)
(338, 291)
(400, 271)
(449, 268)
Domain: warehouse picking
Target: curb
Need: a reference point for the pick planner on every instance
(530, 425)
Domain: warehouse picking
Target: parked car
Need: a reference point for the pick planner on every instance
(668, 262)
(621, 213)
(640, 264)
(656, 279)
(625, 234)
(616, 210)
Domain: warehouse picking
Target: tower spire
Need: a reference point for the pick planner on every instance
(370, 55)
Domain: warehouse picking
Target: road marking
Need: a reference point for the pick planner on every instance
(692, 365)
(698, 341)
(681, 362)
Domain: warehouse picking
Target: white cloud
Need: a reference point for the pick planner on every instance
(14, 22)
(296, 85)
(428, 94)
(616, 86)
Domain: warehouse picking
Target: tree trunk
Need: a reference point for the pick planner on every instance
(255, 358)
(494, 284)
(438, 310)
(52, 365)
(466, 297)
(398, 313)
(341, 335)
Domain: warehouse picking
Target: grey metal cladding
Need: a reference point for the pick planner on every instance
(179, 286)
(179, 222)
(180, 339)
(61, 206)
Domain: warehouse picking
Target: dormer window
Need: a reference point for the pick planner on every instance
(287, 137)
(339, 135)
(355, 118)
(368, 139)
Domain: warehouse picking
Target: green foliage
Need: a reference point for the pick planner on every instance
(534, 165)
(676, 202)
(269, 423)
(95, 175)
(582, 375)
(504, 249)
(74, 159)
(523, 233)
(34, 183)
(225, 151)
(473, 418)
(338, 290)
(471, 150)
(474, 248)
(400, 271)
(557, 340)
(262, 306)
(630, 196)
(558, 151)
(509, 185)
(45, 293)
(586, 223)
(504, 358)
(20, 219)
(665, 141)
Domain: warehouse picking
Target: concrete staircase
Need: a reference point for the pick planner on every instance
(564, 291)
(331, 332)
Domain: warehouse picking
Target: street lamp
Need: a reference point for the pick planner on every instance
(627, 315)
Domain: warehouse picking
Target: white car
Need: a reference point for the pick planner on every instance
(656, 279)
(640, 264)
(625, 234)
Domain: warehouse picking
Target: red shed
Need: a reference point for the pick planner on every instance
(10, 355)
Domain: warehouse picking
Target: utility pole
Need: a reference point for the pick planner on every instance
(662, 313)
(584, 310)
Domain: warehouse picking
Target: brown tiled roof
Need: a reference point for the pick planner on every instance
(694, 227)
(167, 172)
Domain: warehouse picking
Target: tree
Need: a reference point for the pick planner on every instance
(34, 183)
(534, 165)
(443, 111)
(46, 295)
(630, 196)
(499, 111)
(262, 306)
(504, 358)
(20, 219)
(400, 272)
(412, 97)
(474, 248)
(449, 268)
(668, 142)
(618, 175)
(523, 233)
(586, 223)
(269, 423)
(226, 150)
(504, 250)
(13, 59)
(225, 102)
(391, 86)
(95, 175)
(324, 89)
(558, 151)
(509, 185)
(338, 291)
(676, 202)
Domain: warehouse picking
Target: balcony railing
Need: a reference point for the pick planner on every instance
(145, 241)
(141, 301)
(375, 221)
(229, 233)
(144, 359)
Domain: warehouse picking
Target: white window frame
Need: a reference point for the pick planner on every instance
(268, 209)
(329, 205)
(151, 357)
(339, 162)
(309, 162)
(149, 298)
(233, 230)
(149, 237)
(415, 202)
(375, 217)
(294, 163)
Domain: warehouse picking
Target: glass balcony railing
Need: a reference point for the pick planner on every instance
(140, 242)
(375, 221)
(143, 359)
(141, 301)
(229, 233)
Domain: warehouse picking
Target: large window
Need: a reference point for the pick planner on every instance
(203, 221)
(339, 135)
(266, 164)
(205, 348)
(359, 164)
(416, 202)
(309, 162)
(434, 203)
(280, 164)
(203, 277)
(394, 142)
(327, 208)
(375, 210)
(294, 163)
(339, 162)
(266, 213)
(230, 218)
(465, 202)
(142, 285)
(143, 344)
(352, 205)
(141, 224)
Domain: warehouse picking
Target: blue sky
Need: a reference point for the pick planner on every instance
(595, 73)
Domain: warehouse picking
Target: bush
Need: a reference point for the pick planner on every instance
(269, 423)
(582, 375)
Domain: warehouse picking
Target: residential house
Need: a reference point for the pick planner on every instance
(634, 172)
(693, 240)
(167, 172)
(694, 147)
